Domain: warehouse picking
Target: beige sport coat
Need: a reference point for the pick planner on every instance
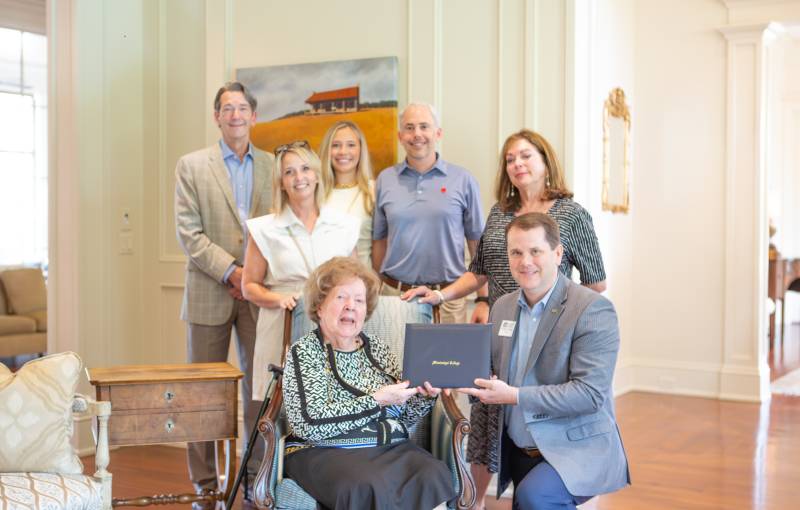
(209, 230)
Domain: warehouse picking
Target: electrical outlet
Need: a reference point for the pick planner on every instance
(126, 243)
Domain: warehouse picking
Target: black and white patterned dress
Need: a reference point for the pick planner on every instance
(346, 450)
(581, 251)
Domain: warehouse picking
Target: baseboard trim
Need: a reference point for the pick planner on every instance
(692, 379)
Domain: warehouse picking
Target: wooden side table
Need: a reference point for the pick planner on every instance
(153, 404)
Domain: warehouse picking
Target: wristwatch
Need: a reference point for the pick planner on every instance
(482, 299)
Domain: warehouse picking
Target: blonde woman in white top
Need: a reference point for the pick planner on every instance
(285, 247)
(347, 179)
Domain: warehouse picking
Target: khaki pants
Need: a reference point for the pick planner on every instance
(450, 312)
(210, 343)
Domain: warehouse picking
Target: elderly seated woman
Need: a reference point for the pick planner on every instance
(348, 410)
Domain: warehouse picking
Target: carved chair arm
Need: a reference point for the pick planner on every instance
(262, 489)
(83, 405)
(460, 429)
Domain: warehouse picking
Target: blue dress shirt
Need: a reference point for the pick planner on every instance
(240, 172)
(527, 324)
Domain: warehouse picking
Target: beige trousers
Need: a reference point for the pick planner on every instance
(210, 343)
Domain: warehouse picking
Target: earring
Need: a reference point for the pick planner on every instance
(511, 192)
(547, 182)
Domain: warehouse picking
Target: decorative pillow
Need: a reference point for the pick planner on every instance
(25, 290)
(36, 415)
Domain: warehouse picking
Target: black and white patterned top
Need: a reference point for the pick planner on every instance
(581, 249)
(328, 395)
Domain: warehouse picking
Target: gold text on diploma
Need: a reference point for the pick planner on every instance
(451, 363)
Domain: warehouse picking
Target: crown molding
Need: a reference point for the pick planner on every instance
(769, 30)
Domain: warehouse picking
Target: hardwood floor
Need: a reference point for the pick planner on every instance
(685, 453)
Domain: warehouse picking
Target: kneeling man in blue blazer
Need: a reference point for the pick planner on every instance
(554, 348)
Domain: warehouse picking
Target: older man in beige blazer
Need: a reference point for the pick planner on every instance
(217, 189)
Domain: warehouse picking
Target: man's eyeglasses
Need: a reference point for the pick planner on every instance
(244, 110)
(292, 145)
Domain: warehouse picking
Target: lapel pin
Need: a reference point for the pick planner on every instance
(444, 190)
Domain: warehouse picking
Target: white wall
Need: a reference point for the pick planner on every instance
(603, 59)
(678, 229)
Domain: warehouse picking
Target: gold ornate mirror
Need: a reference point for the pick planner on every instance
(616, 152)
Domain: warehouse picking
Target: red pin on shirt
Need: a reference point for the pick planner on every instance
(443, 190)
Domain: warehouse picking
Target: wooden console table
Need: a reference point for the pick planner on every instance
(153, 404)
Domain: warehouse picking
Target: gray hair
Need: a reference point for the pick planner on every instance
(234, 86)
(419, 104)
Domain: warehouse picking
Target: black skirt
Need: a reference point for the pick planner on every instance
(401, 475)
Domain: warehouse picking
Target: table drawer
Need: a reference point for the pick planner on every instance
(172, 396)
(148, 428)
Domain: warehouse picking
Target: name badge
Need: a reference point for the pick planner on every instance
(507, 328)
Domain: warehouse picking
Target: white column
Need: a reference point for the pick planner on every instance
(62, 285)
(745, 372)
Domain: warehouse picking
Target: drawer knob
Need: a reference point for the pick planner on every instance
(168, 396)
(169, 426)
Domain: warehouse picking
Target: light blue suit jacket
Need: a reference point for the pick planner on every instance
(566, 393)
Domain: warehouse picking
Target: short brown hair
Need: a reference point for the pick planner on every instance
(556, 187)
(333, 273)
(530, 221)
(234, 86)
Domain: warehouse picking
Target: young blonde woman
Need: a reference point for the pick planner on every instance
(284, 248)
(347, 179)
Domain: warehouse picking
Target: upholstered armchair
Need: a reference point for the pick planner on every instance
(442, 432)
(39, 468)
(23, 312)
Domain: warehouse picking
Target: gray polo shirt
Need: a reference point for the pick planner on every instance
(426, 218)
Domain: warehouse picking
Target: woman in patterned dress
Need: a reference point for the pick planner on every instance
(347, 179)
(349, 411)
(529, 179)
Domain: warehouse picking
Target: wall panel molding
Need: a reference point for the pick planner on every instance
(172, 330)
(500, 82)
(163, 256)
(744, 339)
(530, 62)
(409, 48)
(438, 71)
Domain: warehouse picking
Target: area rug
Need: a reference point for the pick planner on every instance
(789, 384)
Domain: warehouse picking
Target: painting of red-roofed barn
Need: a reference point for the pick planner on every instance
(301, 101)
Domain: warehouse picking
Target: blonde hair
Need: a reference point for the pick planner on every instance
(333, 273)
(279, 197)
(556, 186)
(363, 169)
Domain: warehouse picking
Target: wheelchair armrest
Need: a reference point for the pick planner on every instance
(264, 486)
(459, 429)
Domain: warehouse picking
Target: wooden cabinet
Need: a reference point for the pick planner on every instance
(153, 404)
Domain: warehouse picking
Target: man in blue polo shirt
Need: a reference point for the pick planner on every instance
(425, 208)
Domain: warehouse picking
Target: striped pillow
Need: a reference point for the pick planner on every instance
(36, 415)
